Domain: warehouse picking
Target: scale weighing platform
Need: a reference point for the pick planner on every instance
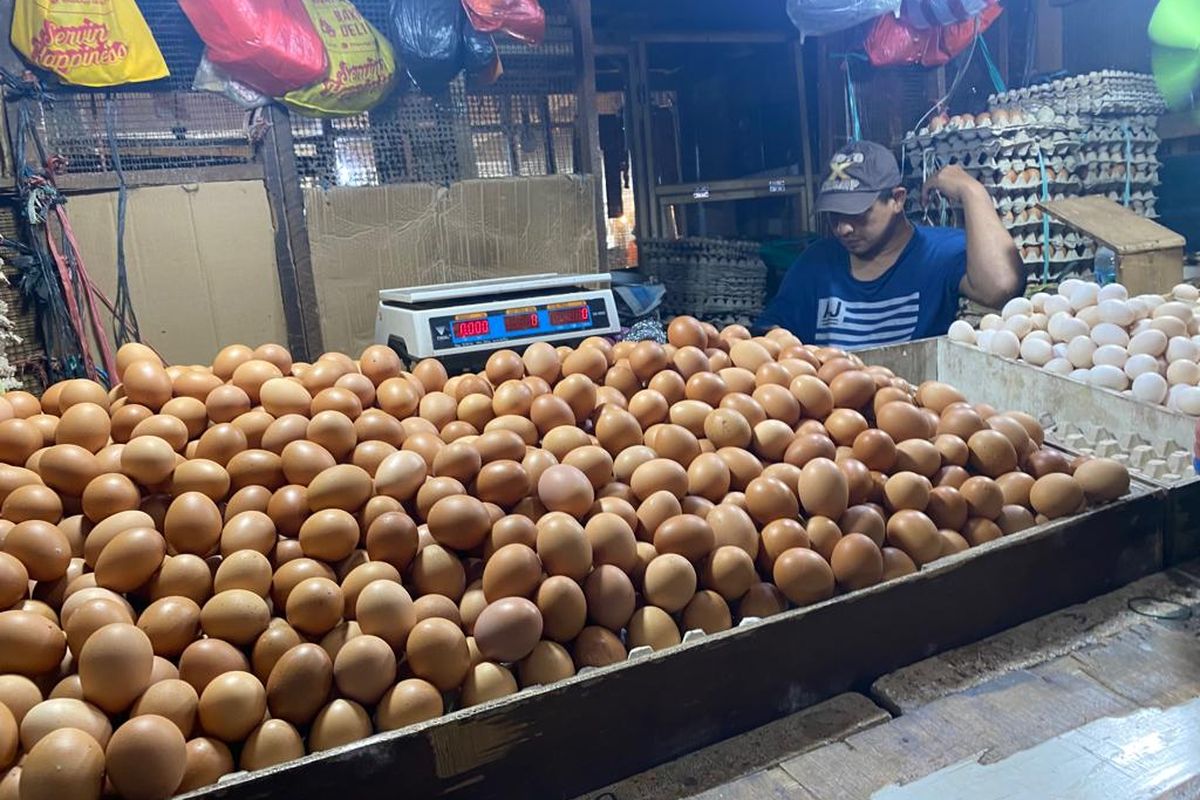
(463, 323)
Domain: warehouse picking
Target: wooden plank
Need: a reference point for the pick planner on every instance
(714, 768)
(766, 785)
(591, 159)
(1120, 664)
(1112, 224)
(565, 739)
(292, 256)
(808, 213)
(107, 181)
(1151, 272)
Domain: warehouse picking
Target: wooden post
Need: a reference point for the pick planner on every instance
(805, 136)
(587, 119)
(293, 260)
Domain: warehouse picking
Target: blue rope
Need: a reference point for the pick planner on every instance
(1045, 218)
(1128, 163)
(993, 70)
(854, 121)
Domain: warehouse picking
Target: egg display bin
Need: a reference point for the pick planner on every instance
(1154, 442)
(608, 723)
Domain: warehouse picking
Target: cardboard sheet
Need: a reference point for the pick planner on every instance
(364, 239)
(201, 263)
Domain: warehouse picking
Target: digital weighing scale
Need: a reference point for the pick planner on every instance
(463, 323)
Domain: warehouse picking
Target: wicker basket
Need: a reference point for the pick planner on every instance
(715, 280)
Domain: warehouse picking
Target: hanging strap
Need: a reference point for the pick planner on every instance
(853, 121)
(1045, 217)
(993, 70)
(1128, 197)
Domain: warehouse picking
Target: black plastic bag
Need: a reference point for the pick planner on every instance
(480, 57)
(428, 37)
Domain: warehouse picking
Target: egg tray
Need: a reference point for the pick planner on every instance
(1099, 92)
(1162, 462)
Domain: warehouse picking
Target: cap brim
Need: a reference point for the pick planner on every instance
(845, 202)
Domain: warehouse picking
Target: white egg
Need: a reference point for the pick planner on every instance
(1172, 401)
(1039, 321)
(1060, 349)
(1056, 303)
(1069, 285)
(961, 331)
(1063, 327)
(1152, 342)
(1138, 307)
(1139, 364)
(1138, 327)
(984, 340)
(1020, 324)
(1196, 340)
(1188, 401)
(1183, 372)
(1059, 366)
(990, 322)
(1036, 351)
(1109, 377)
(1084, 295)
(1181, 347)
(1171, 326)
(1005, 343)
(1018, 305)
(1105, 333)
(1150, 387)
(1038, 301)
(1112, 291)
(1080, 375)
(1193, 327)
(1035, 334)
(1080, 351)
(1152, 301)
(1090, 316)
(1185, 291)
(1181, 311)
(1117, 312)
(1110, 354)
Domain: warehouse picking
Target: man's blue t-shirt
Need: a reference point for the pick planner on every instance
(821, 302)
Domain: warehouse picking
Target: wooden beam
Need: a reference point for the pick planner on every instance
(587, 119)
(107, 181)
(293, 259)
(716, 37)
(805, 136)
(637, 96)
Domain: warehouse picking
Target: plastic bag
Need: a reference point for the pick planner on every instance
(428, 36)
(480, 58)
(269, 45)
(931, 13)
(211, 78)
(894, 42)
(88, 42)
(361, 63)
(521, 19)
(820, 17)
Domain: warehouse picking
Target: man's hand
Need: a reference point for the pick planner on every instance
(952, 182)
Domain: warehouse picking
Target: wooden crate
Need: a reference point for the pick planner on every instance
(606, 724)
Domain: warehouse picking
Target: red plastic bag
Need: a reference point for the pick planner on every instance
(931, 13)
(894, 42)
(521, 19)
(269, 45)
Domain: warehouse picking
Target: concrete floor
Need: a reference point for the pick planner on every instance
(1096, 700)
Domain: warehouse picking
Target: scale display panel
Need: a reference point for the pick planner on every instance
(524, 322)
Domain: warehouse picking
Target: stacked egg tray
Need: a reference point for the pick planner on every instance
(1107, 92)
(719, 281)
(1007, 151)
(1160, 461)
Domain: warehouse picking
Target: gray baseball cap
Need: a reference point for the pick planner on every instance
(857, 174)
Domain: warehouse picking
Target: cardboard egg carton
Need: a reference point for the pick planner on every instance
(1163, 462)
(1101, 92)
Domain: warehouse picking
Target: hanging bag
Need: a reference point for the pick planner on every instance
(87, 42)
(520, 19)
(269, 45)
(362, 65)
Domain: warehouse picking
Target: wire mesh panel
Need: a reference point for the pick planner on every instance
(27, 356)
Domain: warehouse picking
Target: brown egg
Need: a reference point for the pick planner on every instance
(148, 460)
(299, 684)
(947, 508)
(857, 562)
(915, 534)
(979, 531)
(823, 489)
(273, 742)
(1045, 461)
(385, 609)
(992, 453)
(1014, 518)
(19, 439)
(597, 647)
(761, 601)
(459, 521)
(171, 624)
(205, 659)
(708, 612)
(876, 449)
(769, 499)
(208, 760)
(563, 546)
(1102, 479)
(919, 456)
(907, 490)
(548, 663)
(232, 706)
(436, 570)
(803, 576)
(109, 494)
(67, 763)
(171, 699)
(579, 392)
(314, 605)
(565, 488)
(1054, 495)
(147, 383)
(238, 616)
(193, 524)
(130, 559)
(902, 421)
(729, 572)
(686, 331)
(407, 703)
(864, 519)
(437, 652)
(86, 425)
(708, 387)
(41, 548)
(687, 535)
(68, 468)
(114, 666)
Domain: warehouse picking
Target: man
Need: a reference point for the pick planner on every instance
(881, 279)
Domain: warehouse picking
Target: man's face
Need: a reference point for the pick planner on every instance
(864, 234)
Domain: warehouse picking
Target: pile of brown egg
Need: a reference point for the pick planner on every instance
(227, 567)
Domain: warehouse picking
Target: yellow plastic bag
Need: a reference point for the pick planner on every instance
(88, 42)
(361, 63)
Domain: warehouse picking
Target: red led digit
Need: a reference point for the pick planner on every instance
(569, 316)
(471, 327)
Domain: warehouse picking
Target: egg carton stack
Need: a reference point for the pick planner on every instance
(1007, 151)
(1118, 112)
(719, 281)
(8, 336)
